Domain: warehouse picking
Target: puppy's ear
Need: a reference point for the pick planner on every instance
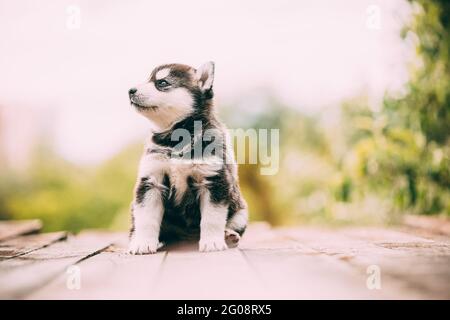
(205, 76)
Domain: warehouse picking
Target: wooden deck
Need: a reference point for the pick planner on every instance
(288, 263)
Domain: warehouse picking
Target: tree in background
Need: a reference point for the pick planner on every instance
(402, 152)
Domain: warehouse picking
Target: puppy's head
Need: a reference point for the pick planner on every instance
(172, 92)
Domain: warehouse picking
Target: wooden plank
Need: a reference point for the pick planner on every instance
(411, 267)
(22, 275)
(10, 229)
(189, 274)
(16, 247)
(262, 236)
(292, 274)
(383, 236)
(438, 225)
(112, 274)
(335, 242)
(415, 263)
(292, 269)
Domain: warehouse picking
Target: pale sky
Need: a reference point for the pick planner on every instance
(311, 54)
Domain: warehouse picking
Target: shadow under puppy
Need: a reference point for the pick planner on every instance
(187, 186)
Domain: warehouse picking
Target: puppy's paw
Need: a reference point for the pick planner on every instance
(232, 238)
(141, 245)
(212, 244)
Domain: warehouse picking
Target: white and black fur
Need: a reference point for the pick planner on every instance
(178, 200)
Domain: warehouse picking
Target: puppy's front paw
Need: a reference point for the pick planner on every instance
(213, 244)
(141, 245)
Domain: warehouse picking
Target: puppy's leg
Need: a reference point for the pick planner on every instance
(147, 213)
(212, 224)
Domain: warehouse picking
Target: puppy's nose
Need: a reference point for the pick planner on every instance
(132, 91)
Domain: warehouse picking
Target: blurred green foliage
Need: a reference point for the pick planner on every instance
(375, 162)
(356, 163)
(413, 139)
(68, 197)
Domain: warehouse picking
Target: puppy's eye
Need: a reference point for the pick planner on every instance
(162, 83)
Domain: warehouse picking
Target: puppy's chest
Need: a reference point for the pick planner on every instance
(189, 176)
(178, 176)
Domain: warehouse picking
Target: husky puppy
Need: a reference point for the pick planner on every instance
(180, 193)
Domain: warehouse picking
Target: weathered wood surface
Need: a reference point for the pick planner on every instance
(22, 245)
(23, 274)
(437, 225)
(113, 274)
(286, 263)
(10, 229)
